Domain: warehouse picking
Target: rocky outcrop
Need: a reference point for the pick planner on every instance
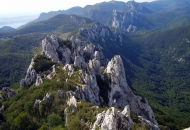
(121, 95)
(10, 92)
(91, 89)
(131, 28)
(129, 21)
(1, 97)
(38, 80)
(112, 119)
(37, 102)
(69, 68)
(53, 48)
(52, 73)
(151, 125)
(98, 34)
(48, 97)
(101, 82)
(30, 77)
(72, 101)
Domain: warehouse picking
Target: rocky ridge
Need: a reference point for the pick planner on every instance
(100, 35)
(130, 21)
(102, 82)
(112, 119)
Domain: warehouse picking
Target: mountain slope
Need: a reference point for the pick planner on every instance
(61, 23)
(15, 57)
(103, 12)
(46, 16)
(165, 5)
(165, 74)
(7, 29)
(168, 13)
(155, 15)
(79, 72)
(130, 21)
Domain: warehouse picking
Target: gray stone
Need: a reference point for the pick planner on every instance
(37, 102)
(72, 101)
(61, 94)
(10, 92)
(112, 119)
(121, 95)
(38, 80)
(1, 97)
(78, 61)
(30, 77)
(22, 83)
(57, 52)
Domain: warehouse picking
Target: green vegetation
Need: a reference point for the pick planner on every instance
(60, 23)
(67, 43)
(41, 63)
(150, 58)
(15, 57)
(21, 107)
(160, 77)
(21, 112)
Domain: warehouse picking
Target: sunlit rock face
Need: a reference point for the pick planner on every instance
(109, 120)
(102, 81)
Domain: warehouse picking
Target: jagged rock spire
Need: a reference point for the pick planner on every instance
(102, 82)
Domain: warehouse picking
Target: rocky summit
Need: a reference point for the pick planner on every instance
(101, 82)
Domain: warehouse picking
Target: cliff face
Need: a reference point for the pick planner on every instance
(112, 119)
(130, 21)
(102, 82)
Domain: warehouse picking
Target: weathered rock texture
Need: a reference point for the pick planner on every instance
(121, 95)
(102, 82)
(112, 119)
(30, 77)
(53, 49)
(129, 21)
(10, 92)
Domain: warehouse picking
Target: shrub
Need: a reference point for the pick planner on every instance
(41, 63)
(54, 120)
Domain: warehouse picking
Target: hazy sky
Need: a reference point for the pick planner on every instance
(14, 8)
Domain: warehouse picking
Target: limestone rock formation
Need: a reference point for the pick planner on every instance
(10, 92)
(30, 77)
(52, 73)
(151, 125)
(72, 101)
(102, 82)
(69, 68)
(112, 119)
(37, 102)
(121, 95)
(1, 97)
(57, 52)
(38, 80)
(129, 21)
(96, 33)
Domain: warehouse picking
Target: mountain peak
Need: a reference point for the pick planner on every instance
(7, 29)
(100, 82)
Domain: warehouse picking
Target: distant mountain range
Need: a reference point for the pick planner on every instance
(147, 15)
(152, 39)
(7, 29)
